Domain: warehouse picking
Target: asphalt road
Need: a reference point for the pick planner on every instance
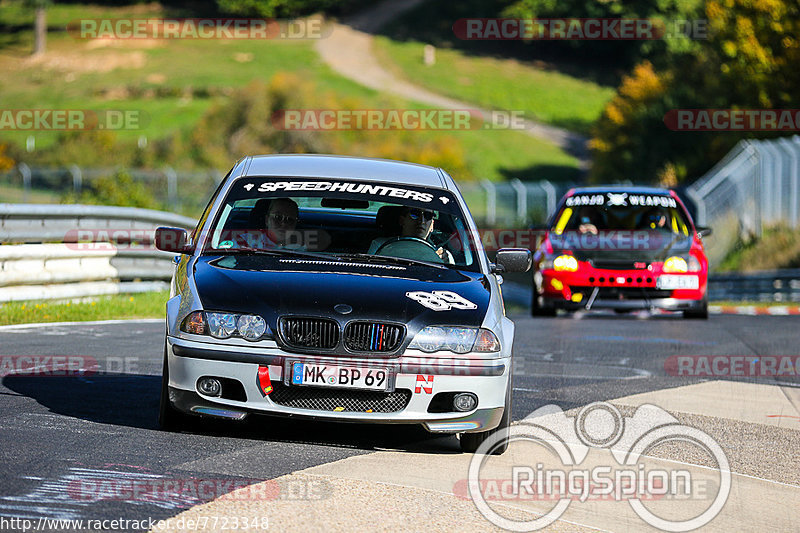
(78, 446)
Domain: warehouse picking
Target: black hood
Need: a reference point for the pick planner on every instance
(272, 287)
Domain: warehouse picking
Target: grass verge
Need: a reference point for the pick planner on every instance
(746, 303)
(779, 247)
(118, 306)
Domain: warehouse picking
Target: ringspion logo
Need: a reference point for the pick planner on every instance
(618, 468)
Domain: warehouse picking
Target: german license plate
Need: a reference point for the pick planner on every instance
(669, 282)
(347, 377)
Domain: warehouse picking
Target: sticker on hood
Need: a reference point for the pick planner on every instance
(441, 300)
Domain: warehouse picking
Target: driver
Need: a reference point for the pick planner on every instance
(416, 223)
(656, 218)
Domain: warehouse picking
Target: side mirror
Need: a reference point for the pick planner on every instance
(513, 259)
(704, 231)
(172, 240)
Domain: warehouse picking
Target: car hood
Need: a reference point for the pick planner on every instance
(273, 287)
(621, 246)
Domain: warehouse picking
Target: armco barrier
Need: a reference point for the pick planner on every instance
(72, 251)
(767, 286)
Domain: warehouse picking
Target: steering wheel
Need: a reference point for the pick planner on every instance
(409, 248)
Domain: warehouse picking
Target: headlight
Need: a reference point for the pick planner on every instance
(194, 323)
(565, 263)
(251, 327)
(225, 325)
(675, 264)
(457, 340)
(221, 325)
(694, 264)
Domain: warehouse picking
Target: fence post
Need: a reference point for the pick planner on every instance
(700, 203)
(758, 183)
(550, 191)
(791, 149)
(772, 190)
(522, 199)
(172, 187)
(77, 179)
(25, 172)
(491, 201)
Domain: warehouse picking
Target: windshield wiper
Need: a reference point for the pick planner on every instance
(276, 251)
(391, 259)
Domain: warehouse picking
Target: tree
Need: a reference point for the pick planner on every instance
(284, 8)
(749, 61)
(39, 25)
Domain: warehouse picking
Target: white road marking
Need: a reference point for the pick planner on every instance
(13, 327)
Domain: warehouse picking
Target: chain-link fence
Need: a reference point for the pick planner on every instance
(753, 187)
(508, 204)
(185, 192)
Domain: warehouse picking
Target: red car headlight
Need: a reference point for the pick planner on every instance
(565, 263)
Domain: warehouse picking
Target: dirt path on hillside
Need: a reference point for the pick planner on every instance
(348, 50)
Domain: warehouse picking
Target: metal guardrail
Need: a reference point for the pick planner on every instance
(177, 190)
(495, 204)
(767, 286)
(69, 251)
(756, 185)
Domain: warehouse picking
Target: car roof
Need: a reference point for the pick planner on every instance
(632, 189)
(337, 166)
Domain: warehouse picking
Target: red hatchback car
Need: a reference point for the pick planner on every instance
(622, 248)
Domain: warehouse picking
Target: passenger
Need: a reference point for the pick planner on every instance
(278, 226)
(587, 218)
(281, 221)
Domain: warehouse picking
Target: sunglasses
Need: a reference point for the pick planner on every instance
(283, 219)
(416, 214)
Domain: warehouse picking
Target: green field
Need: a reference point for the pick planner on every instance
(144, 305)
(172, 83)
(543, 95)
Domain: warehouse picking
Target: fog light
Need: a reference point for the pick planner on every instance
(465, 401)
(209, 386)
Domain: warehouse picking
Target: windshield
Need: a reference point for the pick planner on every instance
(619, 222)
(596, 212)
(343, 219)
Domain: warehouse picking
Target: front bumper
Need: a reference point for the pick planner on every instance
(616, 289)
(488, 379)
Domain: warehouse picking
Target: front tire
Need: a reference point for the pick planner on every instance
(538, 308)
(169, 418)
(470, 442)
(700, 313)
